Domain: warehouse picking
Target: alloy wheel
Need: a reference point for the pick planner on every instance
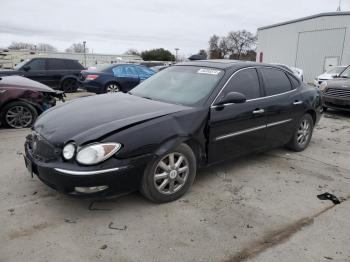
(171, 173)
(304, 132)
(112, 88)
(19, 117)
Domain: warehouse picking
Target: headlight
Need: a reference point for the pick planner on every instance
(323, 86)
(68, 151)
(96, 153)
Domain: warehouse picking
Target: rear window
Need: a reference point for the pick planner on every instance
(276, 81)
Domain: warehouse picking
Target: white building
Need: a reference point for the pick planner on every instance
(9, 58)
(314, 43)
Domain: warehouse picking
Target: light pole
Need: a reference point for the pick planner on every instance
(339, 7)
(84, 43)
(176, 51)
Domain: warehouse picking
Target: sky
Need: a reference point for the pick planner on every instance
(114, 26)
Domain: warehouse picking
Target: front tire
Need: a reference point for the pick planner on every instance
(18, 115)
(169, 176)
(302, 135)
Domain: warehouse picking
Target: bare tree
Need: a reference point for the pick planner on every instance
(21, 45)
(241, 42)
(132, 51)
(77, 48)
(214, 50)
(225, 46)
(46, 47)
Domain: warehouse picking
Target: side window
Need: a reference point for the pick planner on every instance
(73, 65)
(276, 81)
(37, 64)
(245, 82)
(56, 64)
(118, 71)
(130, 71)
(294, 81)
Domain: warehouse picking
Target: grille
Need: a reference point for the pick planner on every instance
(342, 93)
(42, 149)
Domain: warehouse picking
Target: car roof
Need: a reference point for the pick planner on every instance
(60, 58)
(223, 64)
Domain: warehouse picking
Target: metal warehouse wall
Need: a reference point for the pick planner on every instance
(307, 44)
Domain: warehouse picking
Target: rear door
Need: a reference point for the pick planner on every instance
(283, 105)
(126, 76)
(237, 129)
(56, 69)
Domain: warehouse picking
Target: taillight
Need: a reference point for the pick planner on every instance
(91, 77)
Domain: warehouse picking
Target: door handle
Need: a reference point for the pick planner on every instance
(258, 111)
(298, 102)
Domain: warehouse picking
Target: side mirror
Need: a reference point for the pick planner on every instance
(26, 68)
(232, 98)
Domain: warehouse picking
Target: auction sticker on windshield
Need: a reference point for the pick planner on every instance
(208, 71)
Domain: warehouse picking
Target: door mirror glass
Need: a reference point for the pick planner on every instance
(232, 98)
(26, 68)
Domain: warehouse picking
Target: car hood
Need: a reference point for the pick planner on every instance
(23, 83)
(8, 72)
(88, 119)
(339, 83)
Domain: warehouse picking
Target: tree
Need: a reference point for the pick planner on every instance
(240, 42)
(159, 54)
(225, 46)
(214, 50)
(77, 48)
(46, 47)
(21, 45)
(132, 51)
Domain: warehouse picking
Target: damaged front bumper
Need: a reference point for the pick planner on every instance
(111, 177)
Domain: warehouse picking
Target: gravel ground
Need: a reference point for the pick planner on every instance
(258, 208)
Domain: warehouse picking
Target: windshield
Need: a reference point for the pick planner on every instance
(346, 73)
(18, 66)
(336, 70)
(186, 85)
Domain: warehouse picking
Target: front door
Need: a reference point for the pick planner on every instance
(237, 129)
(36, 70)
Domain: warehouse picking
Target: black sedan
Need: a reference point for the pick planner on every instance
(114, 78)
(156, 137)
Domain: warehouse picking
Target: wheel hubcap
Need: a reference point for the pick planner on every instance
(171, 173)
(112, 89)
(304, 132)
(19, 117)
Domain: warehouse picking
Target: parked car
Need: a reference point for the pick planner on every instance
(114, 78)
(22, 100)
(158, 68)
(330, 74)
(157, 136)
(296, 71)
(57, 73)
(336, 92)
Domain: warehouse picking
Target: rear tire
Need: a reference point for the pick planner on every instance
(170, 176)
(302, 135)
(18, 115)
(69, 85)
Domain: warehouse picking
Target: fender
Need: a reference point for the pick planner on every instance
(172, 143)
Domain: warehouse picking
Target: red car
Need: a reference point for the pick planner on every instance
(22, 100)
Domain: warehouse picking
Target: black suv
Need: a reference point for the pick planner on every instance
(57, 73)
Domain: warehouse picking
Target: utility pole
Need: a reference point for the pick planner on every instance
(84, 43)
(176, 51)
(339, 6)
